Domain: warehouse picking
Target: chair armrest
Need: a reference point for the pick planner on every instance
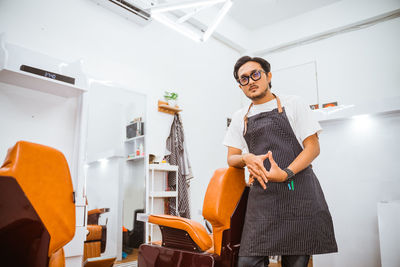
(98, 211)
(94, 232)
(195, 230)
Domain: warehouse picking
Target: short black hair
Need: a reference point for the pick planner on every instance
(241, 61)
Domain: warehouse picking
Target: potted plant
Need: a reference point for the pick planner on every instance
(171, 98)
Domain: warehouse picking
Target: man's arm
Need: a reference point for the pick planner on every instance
(235, 158)
(310, 152)
(255, 164)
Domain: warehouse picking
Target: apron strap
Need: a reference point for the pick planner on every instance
(246, 119)
(278, 102)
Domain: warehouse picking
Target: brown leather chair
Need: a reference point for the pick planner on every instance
(186, 243)
(96, 238)
(37, 207)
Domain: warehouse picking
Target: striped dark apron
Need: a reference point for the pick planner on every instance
(280, 221)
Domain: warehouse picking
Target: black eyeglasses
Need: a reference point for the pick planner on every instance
(255, 76)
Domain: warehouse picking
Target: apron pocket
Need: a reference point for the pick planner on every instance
(297, 203)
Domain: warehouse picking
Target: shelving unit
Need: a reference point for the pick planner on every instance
(156, 188)
(132, 145)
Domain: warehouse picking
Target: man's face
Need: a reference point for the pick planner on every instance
(254, 90)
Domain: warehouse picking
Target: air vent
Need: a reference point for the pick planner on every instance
(130, 9)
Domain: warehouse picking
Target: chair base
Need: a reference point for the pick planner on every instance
(158, 256)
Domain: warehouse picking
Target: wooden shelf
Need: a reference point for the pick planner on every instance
(164, 107)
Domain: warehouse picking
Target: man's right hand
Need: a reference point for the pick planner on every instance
(255, 165)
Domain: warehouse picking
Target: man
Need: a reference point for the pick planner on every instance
(277, 139)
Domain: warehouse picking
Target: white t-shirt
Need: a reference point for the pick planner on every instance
(299, 114)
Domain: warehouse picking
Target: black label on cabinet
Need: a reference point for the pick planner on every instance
(48, 74)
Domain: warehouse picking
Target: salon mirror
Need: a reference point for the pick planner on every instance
(116, 163)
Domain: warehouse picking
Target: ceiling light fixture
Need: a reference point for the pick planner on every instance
(182, 25)
(220, 16)
(177, 27)
(191, 14)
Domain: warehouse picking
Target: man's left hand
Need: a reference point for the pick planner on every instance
(275, 174)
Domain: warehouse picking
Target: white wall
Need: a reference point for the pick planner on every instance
(331, 17)
(36, 117)
(358, 168)
(353, 68)
(149, 59)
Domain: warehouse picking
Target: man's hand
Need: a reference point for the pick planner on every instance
(275, 174)
(255, 165)
(251, 180)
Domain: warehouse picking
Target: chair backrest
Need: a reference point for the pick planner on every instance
(43, 174)
(223, 194)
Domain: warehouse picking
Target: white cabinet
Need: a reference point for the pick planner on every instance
(157, 190)
(389, 233)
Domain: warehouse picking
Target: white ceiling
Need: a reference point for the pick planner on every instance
(254, 14)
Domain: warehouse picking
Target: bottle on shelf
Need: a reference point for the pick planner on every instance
(137, 151)
(141, 149)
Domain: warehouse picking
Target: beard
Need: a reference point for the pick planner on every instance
(259, 95)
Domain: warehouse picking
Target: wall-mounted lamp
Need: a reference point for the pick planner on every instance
(102, 157)
(362, 123)
(103, 161)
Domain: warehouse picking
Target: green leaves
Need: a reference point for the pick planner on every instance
(170, 96)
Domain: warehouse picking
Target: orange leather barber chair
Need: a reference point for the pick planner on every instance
(37, 210)
(186, 243)
(96, 238)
